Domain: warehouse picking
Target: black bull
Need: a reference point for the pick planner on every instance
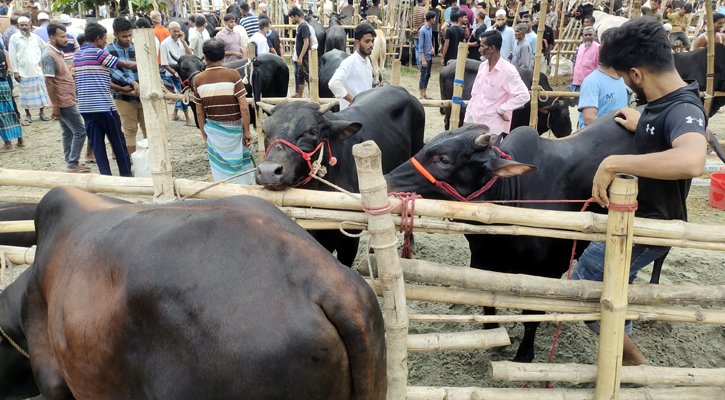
(692, 65)
(389, 115)
(175, 301)
(269, 79)
(553, 113)
(465, 159)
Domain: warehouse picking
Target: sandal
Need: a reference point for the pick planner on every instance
(28, 120)
(176, 118)
(81, 169)
(24, 122)
(191, 123)
(91, 160)
(44, 118)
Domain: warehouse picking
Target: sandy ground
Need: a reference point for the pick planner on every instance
(663, 343)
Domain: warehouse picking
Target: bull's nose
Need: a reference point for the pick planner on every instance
(269, 173)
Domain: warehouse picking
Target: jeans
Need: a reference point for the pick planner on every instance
(100, 125)
(417, 54)
(297, 79)
(591, 267)
(425, 74)
(73, 129)
(683, 38)
(179, 105)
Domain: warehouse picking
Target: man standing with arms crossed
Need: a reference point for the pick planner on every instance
(302, 44)
(355, 73)
(669, 139)
(62, 93)
(498, 89)
(221, 105)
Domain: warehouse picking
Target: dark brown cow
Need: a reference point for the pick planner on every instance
(212, 299)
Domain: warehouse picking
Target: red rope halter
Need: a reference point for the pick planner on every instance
(446, 187)
(305, 156)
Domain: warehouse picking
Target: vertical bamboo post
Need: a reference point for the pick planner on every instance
(611, 7)
(374, 193)
(154, 110)
(710, 57)
(537, 69)
(564, 8)
(455, 120)
(314, 77)
(516, 16)
(617, 258)
(395, 74)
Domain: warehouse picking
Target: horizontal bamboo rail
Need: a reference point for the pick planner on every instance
(485, 213)
(646, 393)
(17, 226)
(505, 319)
(34, 197)
(579, 373)
(505, 300)
(470, 340)
(19, 255)
(533, 286)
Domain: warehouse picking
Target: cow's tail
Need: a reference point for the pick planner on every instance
(715, 145)
(356, 315)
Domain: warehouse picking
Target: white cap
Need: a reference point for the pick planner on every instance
(500, 12)
(43, 16)
(65, 19)
(668, 27)
(23, 19)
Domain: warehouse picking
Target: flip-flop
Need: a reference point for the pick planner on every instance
(190, 123)
(44, 118)
(3, 150)
(81, 169)
(20, 145)
(91, 161)
(176, 118)
(24, 122)
(28, 120)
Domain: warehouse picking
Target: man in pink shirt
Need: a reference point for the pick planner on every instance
(498, 89)
(587, 59)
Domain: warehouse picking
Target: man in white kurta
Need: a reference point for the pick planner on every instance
(25, 51)
(355, 73)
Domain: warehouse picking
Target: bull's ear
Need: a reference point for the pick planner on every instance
(342, 130)
(507, 168)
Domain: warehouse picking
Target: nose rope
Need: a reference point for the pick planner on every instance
(316, 167)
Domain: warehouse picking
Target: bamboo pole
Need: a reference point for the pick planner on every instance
(34, 197)
(458, 84)
(486, 213)
(373, 191)
(516, 16)
(314, 77)
(422, 271)
(507, 318)
(154, 109)
(710, 56)
(579, 373)
(19, 255)
(537, 68)
(395, 74)
(504, 300)
(451, 393)
(17, 226)
(469, 340)
(617, 259)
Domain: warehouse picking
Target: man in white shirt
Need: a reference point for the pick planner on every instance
(172, 48)
(25, 51)
(355, 73)
(260, 38)
(196, 36)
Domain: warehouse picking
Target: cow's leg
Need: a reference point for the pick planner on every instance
(490, 311)
(51, 382)
(657, 269)
(347, 250)
(526, 348)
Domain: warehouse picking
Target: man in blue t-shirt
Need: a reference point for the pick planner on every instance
(602, 92)
(669, 145)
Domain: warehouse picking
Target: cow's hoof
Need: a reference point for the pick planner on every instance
(491, 326)
(523, 357)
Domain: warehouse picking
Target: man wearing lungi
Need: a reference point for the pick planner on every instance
(223, 113)
(26, 49)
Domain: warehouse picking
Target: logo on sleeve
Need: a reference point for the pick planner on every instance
(650, 130)
(691, 120)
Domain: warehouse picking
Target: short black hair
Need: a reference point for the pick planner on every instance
(594, 20)
(717, 17)
(199, 20)
(143, 23)
(349, 2)
(213, 50)
(639, 43)
(81, 39)
(455, 15)
(421, 1)
(688, 8)
(362, 30)
(493, 38)
(229, 17)
(264, 23)
(121, 24)
(245, 7)
(430, 15)
(14, 20)
(93, 31)
(528, 16)
(483, 4)
(192, 19)
(295, 12)
(53, 29)
(376, 2)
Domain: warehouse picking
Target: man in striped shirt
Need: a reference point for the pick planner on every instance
(93, 80)
(223, 113)
(249, 21)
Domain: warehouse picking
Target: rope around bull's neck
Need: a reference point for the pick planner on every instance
(3, 265)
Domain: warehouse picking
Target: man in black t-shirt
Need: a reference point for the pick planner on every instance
(669, 141)
(302, 44)
(473, 41)
(454, 34)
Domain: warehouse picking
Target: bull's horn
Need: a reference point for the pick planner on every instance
(483, 140)
(327, 107)
(268, 108)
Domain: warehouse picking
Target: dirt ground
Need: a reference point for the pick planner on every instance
(663, 343)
